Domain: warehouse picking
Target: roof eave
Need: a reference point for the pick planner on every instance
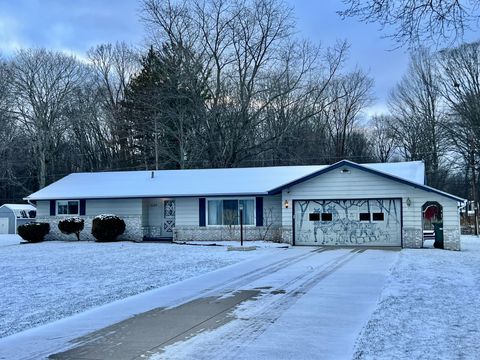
(75, 197)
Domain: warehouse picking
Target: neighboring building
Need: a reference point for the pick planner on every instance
(14, 215)
(342, 204)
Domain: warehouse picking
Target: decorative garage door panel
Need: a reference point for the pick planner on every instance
(348, 222)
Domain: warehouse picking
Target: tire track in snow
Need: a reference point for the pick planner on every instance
(255, 320)
(243, 279)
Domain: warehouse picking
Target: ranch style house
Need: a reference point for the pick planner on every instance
(344, 204)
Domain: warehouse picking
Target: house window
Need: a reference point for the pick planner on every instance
(68, 207)
(314, 217)
(364, 216)
(227, 212)
(378, 216)
(326, 217)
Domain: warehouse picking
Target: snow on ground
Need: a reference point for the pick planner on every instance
(309, 309)
(47, 281)
(258, 244)
(8, 240)
(429, 308)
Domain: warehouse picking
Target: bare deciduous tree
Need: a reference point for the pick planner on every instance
(41, 84)
(418, 116)
(246, 48)
(348, 96)
(415, 21)
(461, 90)
(383, 137)
(114, 65)
(461, 86)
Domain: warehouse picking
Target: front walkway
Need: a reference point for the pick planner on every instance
(299, 303)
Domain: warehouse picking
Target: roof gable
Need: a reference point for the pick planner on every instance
(368, 169)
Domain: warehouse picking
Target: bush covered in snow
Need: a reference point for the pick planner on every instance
(107, 227)
(73, 225)
(34, 231)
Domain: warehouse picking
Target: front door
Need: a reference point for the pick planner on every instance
(168, 218)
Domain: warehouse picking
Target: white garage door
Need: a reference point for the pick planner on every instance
(3, 225)
(374, 222)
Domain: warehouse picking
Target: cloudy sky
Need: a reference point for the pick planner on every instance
(76, 25)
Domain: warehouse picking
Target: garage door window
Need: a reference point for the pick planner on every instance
(377, 216)
(326, 217)
(364, 216)
(314, 217)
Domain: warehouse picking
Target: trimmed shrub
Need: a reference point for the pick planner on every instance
(107, 227)
(73, 225)
(34, 231)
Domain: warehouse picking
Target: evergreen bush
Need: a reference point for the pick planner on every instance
(107, 227)
(34, 231)
(73, 225)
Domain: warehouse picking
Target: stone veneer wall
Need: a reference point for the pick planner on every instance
(152, 231)
(133, 228)
(226, 233)
(287, 234)
(412, 238)
(451, 239)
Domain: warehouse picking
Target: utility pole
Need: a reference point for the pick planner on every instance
(156, 143)
(474, 189)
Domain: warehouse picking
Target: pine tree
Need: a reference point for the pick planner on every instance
(165, 104)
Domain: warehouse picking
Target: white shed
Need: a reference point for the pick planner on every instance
(14, 215)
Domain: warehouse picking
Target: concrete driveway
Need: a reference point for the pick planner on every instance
(302, 303)
(297, 303)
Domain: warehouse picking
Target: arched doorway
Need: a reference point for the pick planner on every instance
(432, 224)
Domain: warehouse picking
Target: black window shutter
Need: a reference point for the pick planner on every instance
(259, 211)
(202, 212)
(52, 207)
(83, 204)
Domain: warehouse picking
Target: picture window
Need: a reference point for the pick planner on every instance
(227, 212)
(70, 207)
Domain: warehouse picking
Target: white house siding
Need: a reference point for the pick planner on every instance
(186, 211)
(358, 184)
(43, 208)
(187, 223)
(272, 210)
(119, 207)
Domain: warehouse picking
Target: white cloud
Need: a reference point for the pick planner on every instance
(9, 40)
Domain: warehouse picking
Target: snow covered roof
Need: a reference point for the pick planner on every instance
(20, 210)
(201, 182)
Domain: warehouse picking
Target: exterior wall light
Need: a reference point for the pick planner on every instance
(285, 204)
(408, 202)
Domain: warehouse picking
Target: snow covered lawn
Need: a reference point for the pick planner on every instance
(51, 280)
(429, 308)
